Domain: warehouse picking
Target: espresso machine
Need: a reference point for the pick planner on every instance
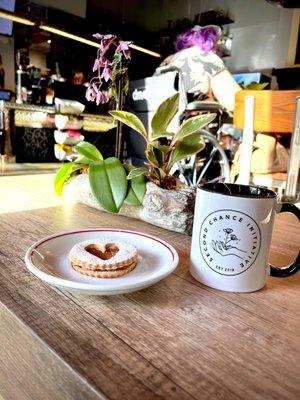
(31, 87)
(22, 60)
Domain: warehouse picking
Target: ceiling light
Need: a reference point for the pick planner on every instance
(69, 35)
(13, 17)
(142, 49)
(49, 41)
(90, 42)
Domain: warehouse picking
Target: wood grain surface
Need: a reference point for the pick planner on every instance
(274, 110)
(175, 340)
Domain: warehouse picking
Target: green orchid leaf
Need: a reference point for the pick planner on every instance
(151, 157)
(138, 185)
(163, 116)
(164, 149)
(190, 145)
(136, 191)
(130, 120)
(164, 135)
(162, 173)
(131, 198)
(135, 172)
(82, 160)
(159, 155)
(63, 174)
(89, 151)
(169, 134)
(193, 124)
(128, 167)
(108, 183)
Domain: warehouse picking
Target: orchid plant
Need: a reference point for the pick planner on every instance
(110, 65)
(114, 183)
(165, 148)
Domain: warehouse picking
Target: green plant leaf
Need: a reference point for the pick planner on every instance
(163, 148)
(193, 124)
(186, 147)
(135, 172)
(151, 157)
(82, 160)
(63, 174)
(138, 185)
(108, 183)
(162, 173)
(131, 198)
(130, 120)
(89, 151)
(163, 116)
(159, 155)
(136, 191)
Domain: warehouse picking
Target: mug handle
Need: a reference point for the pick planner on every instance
(283, 272)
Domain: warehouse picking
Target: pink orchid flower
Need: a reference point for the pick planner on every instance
(105, 37)
(106, 42)
(100, 62)
(96, 64)
(124, 48)
(102, 97)
(105, 66)
(90, 94)
(106, 74)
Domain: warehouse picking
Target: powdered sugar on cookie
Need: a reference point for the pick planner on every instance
(104, 254)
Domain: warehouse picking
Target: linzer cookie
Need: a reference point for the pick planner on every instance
(114, 273)
(103, 258)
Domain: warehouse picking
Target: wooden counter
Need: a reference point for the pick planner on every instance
(35, 116)
(175, 340)
(40, 117)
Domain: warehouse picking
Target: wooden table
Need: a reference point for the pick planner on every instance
(175, 340)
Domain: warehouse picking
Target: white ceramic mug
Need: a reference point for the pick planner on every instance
(232, 234)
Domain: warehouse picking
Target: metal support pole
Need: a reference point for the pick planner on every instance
(247, 142)
(119, 105)
(291, 190)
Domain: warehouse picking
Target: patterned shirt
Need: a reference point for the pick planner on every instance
(197, 68)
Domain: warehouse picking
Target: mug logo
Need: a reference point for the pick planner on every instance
(229, 241)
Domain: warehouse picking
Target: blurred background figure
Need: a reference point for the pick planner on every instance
(204, 74)
(78, 78)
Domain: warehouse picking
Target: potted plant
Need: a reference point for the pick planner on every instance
(151, 192)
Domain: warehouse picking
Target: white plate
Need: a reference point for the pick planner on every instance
(48, 260)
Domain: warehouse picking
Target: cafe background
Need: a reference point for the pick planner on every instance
(259, 36)
(253, 20)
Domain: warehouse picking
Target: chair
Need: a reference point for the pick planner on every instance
(268, 111)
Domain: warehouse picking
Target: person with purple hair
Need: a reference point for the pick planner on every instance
(204, 73)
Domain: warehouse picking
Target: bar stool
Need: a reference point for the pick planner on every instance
(268, 111)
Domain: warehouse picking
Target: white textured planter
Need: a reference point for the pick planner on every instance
(169, 209)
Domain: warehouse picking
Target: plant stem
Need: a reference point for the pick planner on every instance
(118, 148)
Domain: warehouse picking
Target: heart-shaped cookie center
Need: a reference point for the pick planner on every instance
(105, 252)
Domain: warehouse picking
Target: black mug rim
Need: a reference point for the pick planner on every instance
(264, 193)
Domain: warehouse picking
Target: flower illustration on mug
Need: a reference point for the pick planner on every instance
(229, 241)
(228, 246)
